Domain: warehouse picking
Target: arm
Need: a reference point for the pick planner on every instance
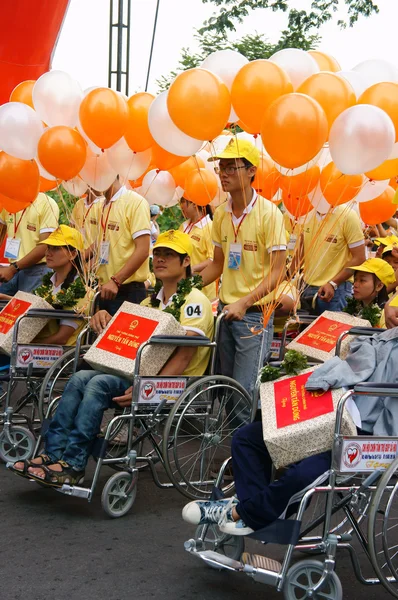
(358, 256)
(215, 268)
(32, 258)
(61, 337)
(201, 266)
(285, 306)
(141, 253)
(237, 310)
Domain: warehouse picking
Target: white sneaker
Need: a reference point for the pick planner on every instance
(203, 512)
(231, 527)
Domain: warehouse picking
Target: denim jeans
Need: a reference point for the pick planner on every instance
(337, 303)
(26, 280)
(127, 293)
(77, 420)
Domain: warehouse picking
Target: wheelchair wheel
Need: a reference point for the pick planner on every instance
(383, 529)
(119, 494)
(16, 444)
(304, 575)
(198, 433)
(231, 546)
(56, 379)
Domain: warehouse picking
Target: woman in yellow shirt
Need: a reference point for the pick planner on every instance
(198, 226)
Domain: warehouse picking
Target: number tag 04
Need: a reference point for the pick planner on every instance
(193, 311)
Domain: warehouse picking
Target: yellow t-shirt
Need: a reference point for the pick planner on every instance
(197, 316)
(259, 232)
(200, 234)
(26, 225)
(84, 219)
(121, 221)
(285, 288)
(327, 243)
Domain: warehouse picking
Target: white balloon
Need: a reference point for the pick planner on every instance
(76, 186)
(165, 133)
(129, 164)
(298, 64)
(93, 147)
(97, 172)
(298, 170)
(158, 187)
(219, 144)
(357, 81)
(376, 71)
(371, 190)
(20, 130)
(56, 98)
(361, 138)
(318, 201)
(225, 64)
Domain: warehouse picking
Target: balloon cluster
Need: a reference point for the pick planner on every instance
(326, 136)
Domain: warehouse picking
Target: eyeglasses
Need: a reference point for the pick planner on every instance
(228, 170)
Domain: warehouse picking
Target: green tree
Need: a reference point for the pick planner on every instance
(65, 202)
(171, 218)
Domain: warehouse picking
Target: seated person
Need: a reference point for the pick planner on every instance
(77, 421)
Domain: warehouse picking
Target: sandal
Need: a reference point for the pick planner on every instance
(57, 479)
(45, 460)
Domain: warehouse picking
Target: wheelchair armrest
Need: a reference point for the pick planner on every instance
(370, 388)
(181, 340)
(365, 330)
(54, 314)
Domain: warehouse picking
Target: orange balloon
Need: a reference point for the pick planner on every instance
(255, 87)
(137, 134)
(104, 115)
(23, 92)
(19, 179)
(325, 61)
(338, 188)
(385, 96)
(393, 183)
(200, 187)
(298, 206)
(199, 103)
(267, 179)
(62, 151)
(294, 130)
(12, 206)
(135, 183)
(47, 184)
(301, 184)
(164, 160)
(378, 210)
(387, 169)
(333, 93)
(181, 171)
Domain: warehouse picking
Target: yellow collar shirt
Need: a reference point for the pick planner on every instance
(85, 219)
(258, 232)
(202, 246)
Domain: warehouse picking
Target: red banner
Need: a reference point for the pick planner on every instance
(294, 404)
(323, 334)
(10, 313)
(126, 334)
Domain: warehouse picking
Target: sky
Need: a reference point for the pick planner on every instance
(82, 49)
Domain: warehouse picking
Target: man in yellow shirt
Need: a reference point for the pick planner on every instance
(331, 244)
(83, 217)
(250, 254)
(24, 230)
(121, 250)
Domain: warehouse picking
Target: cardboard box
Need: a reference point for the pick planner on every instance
(29, 328)
(114, 351)
(298, 423)
(319, 339)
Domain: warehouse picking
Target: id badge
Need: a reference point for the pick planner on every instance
(104, 253)
(12, 248)
(235, 256)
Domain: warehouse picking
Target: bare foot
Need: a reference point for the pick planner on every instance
(38, 472)
(18, 466)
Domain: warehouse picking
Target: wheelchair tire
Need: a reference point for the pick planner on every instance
(306, 573)
(198, 432)
(231, 546)
(18, 444)
(119, 494)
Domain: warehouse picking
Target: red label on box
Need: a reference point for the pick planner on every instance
(10, 313)
(323, 334)
(126, 334)
(294, 404)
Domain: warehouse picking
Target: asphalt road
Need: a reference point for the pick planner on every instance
(61, 548)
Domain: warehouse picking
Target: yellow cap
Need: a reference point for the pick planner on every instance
(175, 240)
(389, 240)
(239, 149)
(65, 236)
(380, 268)
(388, 249)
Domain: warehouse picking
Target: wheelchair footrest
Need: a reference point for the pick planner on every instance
(219, 561)
(261, 562)
(74, 490)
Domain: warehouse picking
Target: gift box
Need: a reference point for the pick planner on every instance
(29, 328)
(319, 339)
(115, 350)
(298, 423)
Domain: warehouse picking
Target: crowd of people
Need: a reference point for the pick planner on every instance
(241, 253)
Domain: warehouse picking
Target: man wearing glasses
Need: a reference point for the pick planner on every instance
(250, 254)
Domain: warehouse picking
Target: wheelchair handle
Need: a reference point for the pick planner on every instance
(366, 331)
(181, 340)
(370, 388)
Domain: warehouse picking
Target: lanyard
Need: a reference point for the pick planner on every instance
(236, 231)
(16, 225)
(190, 226)
(103, 225)
(87, 213)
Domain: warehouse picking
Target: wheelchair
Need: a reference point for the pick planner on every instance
(182, 425)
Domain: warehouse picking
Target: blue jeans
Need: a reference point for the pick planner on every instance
(26, 280)
(337, 303)
(77, 420)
